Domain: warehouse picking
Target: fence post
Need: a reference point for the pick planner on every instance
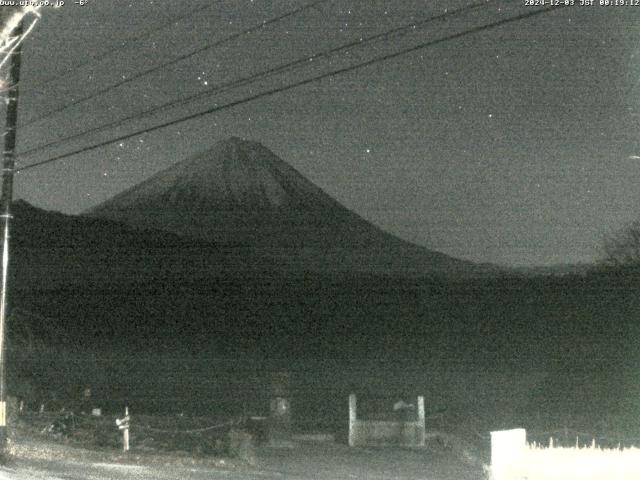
(279, 432)
(123, 424)
(507, 453)
(352, 419)
(125, 432)
(421, 421)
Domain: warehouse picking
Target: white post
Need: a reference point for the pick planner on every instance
(125, 431)
(123, 424)
(507, 453)
(421, 410)
(352, 418)
(421, 421)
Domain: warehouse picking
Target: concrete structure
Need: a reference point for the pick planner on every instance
(410, 433)
(508, 449)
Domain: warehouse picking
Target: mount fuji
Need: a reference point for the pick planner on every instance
(245, 199)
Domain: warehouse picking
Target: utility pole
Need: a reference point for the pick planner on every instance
(8, 166)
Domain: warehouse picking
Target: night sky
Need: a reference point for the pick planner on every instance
(517, 145)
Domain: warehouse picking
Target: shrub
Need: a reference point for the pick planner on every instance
(241, 446)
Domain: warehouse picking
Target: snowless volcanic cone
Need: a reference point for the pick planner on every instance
(241, 195)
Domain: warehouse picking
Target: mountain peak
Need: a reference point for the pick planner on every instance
(237, 141)
(239, 193)
(235, 174)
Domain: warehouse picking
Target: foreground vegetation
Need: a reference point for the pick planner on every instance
(541, 352)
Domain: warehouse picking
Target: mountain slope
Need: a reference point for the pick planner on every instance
(242, 196)
(52, 250)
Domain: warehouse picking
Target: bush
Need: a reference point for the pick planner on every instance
(241, 446)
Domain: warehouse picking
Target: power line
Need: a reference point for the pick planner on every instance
(300, 83)
(174, 61)
(265, 73)
(102, 56)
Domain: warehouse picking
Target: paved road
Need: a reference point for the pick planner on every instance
(304, 462)
(70, 470)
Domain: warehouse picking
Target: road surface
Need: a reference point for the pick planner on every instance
(322, 461)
